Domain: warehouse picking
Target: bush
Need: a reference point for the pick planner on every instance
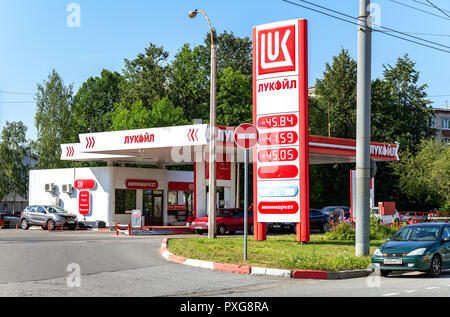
(380, 231)
(343, 230)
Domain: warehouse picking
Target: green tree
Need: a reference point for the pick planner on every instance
(162, 114)
(189, 75)
(13, 149)
(233, 52)
(424, 176)
(188, 82)
(94, 103)
(145, 77)
(400, 113)
(409, 112)
(234, 98)
(53, 120)
(336, 95)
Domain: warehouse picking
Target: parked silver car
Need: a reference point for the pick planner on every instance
(48, 217)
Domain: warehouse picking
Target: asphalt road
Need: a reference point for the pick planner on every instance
(39, 263)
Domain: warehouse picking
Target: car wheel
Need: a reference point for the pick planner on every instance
(200, 232)
(385, 272)
(24, 224)
(51, 225)
(222, 230)
(325, 227)
(251, 230)
(435, 267)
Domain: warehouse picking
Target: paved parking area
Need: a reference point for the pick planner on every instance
(41, 263)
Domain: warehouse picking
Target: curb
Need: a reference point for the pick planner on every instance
(241, 269)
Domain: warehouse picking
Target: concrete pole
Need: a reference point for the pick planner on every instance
(212, 148)
(363, 130)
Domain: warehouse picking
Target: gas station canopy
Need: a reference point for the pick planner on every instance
(182, 145)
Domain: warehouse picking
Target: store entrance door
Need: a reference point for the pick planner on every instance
(152, 205)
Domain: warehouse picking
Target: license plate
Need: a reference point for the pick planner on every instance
(393, 261)
(70, 222)
(198, 227)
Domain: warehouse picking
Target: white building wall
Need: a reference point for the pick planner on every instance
(107, 180)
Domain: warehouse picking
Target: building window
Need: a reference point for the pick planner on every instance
(432, 122)
(445, 123)
(125, 200)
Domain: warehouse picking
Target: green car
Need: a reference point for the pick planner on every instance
(420, 247)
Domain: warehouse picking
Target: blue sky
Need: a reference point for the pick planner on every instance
(35, 39)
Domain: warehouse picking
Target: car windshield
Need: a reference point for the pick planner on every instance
(328, 209)
(55, 210)
(422, 233)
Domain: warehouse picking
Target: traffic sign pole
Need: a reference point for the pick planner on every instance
(246, 137)
(246, 204)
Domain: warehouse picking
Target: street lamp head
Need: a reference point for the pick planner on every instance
(192, 14)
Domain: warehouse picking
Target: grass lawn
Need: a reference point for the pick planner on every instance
(279, 252)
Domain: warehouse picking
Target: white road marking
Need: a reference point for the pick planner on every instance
(411, 291)
(432, 287)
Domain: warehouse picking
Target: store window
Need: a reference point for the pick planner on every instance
(125, 200)
(445, 123)
(172, 197)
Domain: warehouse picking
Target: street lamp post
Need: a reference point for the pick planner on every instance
(212, 134)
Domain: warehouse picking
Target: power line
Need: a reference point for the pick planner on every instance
(15, 93)
(386, 28)
(426, 4)
(437, 8)
(428, 34)
(424, 11)
(381, 31)
(7, 102)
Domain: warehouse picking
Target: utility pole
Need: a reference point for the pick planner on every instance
(212, 202)
(363, 94)
(212, 147)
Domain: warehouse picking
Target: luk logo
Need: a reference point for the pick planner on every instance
(276, 50)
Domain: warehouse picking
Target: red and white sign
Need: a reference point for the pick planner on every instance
(278, 155)
(176, 207)
(85, 184)
(223, 171)
(289, 137)
(246, 136)
(280, 86)
(278, 172)
(84, 203)
(145, 184)
(277, 49)
(278, 121)
(181, 186)
(278, 207)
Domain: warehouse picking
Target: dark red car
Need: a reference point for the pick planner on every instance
(227, 219)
